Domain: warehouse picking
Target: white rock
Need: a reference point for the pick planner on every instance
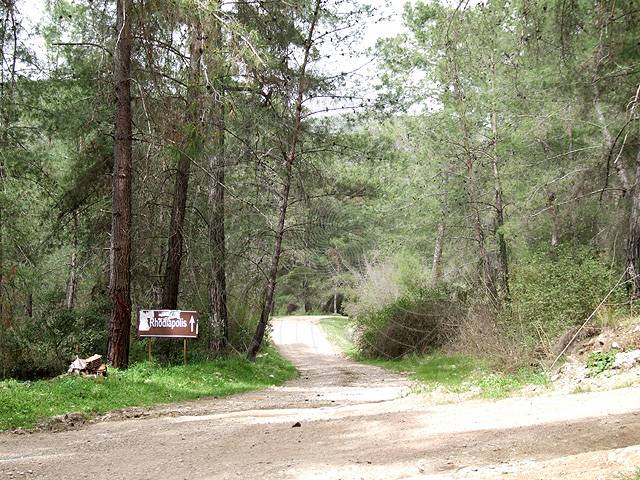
(626, 360)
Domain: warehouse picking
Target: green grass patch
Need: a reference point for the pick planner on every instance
(23, 404)
(338, 332)
(461, 373)
(454, 373)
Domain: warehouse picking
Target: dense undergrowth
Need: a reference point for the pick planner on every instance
(23, 404)
(44, 345)
(453, 373)
(397, 309)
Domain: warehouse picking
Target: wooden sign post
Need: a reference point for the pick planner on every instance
(168, 324)
(184, 350)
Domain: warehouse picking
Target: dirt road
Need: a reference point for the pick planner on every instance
(357, 422)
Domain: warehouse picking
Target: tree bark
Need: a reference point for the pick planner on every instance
(175, 245)
(503, 260)
(436, 267)
(218, 315)
(267, 304)
(633, 237)
(217, 238)
(120, 278)
(72, 282)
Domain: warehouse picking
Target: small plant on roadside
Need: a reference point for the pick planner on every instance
(598, 362)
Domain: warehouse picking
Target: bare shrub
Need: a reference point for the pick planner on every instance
(483, 333)
(418, 323)
(374, 287)
(395, 312)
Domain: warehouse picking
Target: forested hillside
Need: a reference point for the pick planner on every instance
(480, 193)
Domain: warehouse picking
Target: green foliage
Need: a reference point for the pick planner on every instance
(499, 94)
(435, 369)
(411, 323)
(454, 373)
(395, 311)
(44, 346)
(598, 362)
(22, 404)
(499, 384)
(553, 291)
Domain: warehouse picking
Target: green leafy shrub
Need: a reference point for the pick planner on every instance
(395, 312)
(44, 346)
(598, 362)
(554, 292)
(418, 322)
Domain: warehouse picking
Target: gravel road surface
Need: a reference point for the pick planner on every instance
(356, 422)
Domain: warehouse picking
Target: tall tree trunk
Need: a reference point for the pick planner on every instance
(470, 159)
(120, 279)
(633, 237)
(267, 303)
(486, 270)
(72, 282)
(218, 315)
(7, 94)
(217, 248)
(436, 266)
(503, 260)
(175, 245)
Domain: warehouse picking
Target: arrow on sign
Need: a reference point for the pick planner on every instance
(191, 322)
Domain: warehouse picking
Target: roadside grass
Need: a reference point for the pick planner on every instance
(338, 332)
(453, 373)
(24, 404)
